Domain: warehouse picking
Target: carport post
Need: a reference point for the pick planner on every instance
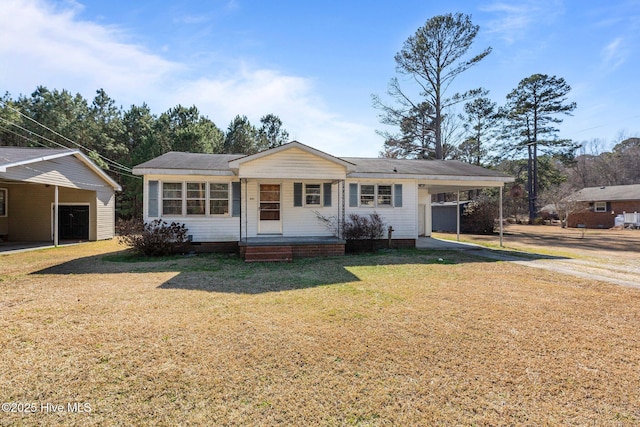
(55, 216)
(501, 245)
(458, 216)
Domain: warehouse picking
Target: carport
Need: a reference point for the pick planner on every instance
(49, 195)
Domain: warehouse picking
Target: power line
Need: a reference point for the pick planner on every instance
(45, 146)
(115, 164)
(67, 139)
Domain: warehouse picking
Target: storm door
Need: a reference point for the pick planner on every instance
(270, 220)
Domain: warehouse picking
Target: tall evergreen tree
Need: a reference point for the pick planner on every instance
(531, 111)
(433, 57)
(480, 121)
(241, 137)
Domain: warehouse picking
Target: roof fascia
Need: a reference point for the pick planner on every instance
(163, 171)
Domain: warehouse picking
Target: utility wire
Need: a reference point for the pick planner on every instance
(45, 146)
(116, 165)
(67, 139)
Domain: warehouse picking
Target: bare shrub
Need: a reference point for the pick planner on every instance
(157, 238)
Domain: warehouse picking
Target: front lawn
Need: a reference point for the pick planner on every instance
(395, 338)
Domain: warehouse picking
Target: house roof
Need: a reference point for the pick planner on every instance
(18, 156)
(609, 193)
(356, 167)
(426, 168)
(184, 163)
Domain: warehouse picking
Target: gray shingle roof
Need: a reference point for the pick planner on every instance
(11, 155)
(193, 161)
(419, 167)
(610, 193)
(361, 165)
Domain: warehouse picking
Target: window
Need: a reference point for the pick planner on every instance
(384, 195)
(3, 201)
(172, 198)
(312, 194)
(375, 195)
(218, 199)
(600, 206)
(367, 195)
(196, 198)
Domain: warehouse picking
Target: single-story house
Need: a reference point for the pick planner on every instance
(599, 206)
(278, 195)
(51, 194)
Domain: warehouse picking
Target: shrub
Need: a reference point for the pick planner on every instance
(358, 227)
(157, 238)
(480, 216)
(361, 232)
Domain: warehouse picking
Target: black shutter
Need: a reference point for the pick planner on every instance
(236, 198)
(397, 195)
(297, 194)
(327, 193)
(152, 199)
(353, 195)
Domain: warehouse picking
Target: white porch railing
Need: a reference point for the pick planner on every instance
(631, 218)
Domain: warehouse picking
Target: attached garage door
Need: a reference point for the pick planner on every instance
(73, 223)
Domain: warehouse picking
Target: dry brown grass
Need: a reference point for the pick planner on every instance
(390, 339)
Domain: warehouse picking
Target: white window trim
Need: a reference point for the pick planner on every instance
(182, 199)
(207, 189)
(6, 202)
(600, 206)
(375, 197)
(229, 200)
(304, 195)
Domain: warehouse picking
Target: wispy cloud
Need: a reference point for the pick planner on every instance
(44, 45)
(614, 54)
(513, 21)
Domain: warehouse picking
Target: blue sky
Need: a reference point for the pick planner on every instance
(316, 63)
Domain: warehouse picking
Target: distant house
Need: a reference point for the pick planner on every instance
(51, 194)
(601, 205)
(273, 198)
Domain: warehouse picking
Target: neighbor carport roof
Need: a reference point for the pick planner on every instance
(11, 157)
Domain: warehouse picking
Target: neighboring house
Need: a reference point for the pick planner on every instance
(277, 195)
(601, 205)
(37, 183)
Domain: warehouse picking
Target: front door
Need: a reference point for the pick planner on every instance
(269, 210)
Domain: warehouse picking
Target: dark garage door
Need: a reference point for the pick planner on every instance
(73, 222)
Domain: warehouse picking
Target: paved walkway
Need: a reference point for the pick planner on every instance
(619, 274)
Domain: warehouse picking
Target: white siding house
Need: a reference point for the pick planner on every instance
(281, 192)
(54, 194)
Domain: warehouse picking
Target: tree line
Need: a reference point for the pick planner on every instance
(118, 139)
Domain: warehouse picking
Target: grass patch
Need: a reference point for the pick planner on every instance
(393, 338)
